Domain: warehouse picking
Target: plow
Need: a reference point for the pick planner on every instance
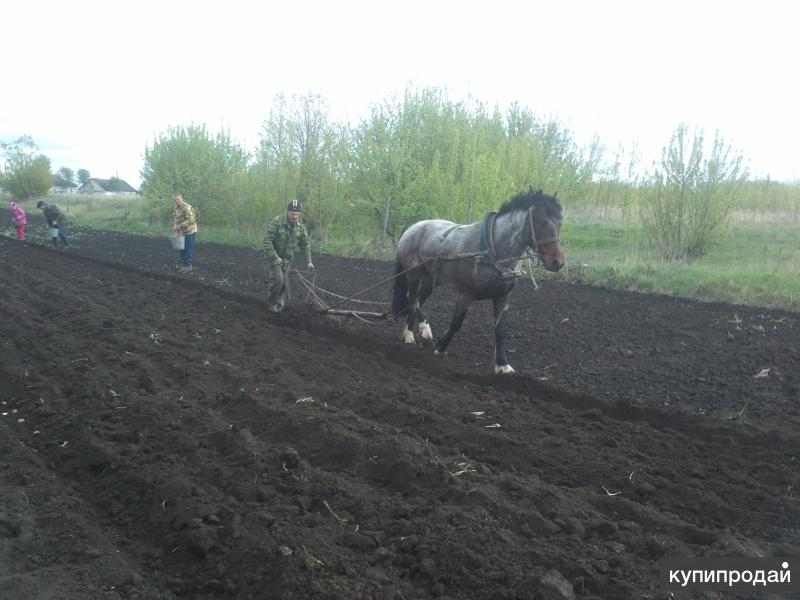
(340, 304)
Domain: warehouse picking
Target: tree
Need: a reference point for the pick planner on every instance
(426, 156)
(379, 154)
(25, 173)
(65, 177)
(83, 176)
(204, 168)
(543, 154)
(115, 184)
(687, 200)
(300, 155)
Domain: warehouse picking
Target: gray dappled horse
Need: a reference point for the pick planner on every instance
(479, 261)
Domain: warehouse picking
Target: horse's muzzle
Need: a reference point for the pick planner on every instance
(552, 257)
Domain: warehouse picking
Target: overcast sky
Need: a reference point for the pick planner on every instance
(93, 82)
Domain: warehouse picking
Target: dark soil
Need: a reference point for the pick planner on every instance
(164, 436)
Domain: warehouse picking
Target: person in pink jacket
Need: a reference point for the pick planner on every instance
(20, 220)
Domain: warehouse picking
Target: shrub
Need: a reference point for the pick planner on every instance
(687, 199)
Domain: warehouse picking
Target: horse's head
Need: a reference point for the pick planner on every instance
(542, 225)
(544, 222)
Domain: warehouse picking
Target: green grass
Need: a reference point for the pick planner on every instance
(758, 263)
(130, 215)
(365, 249)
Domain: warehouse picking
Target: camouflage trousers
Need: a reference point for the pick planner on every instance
(277, 286)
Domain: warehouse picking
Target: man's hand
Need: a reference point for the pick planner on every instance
(310, 266)
(279, 261)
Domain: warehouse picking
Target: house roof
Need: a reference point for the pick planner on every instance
(57, 181)
(109, 185)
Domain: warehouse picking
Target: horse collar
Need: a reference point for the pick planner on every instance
(487, 235)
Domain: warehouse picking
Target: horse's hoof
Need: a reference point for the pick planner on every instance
(438, 354)
(408, 336)
(426, 334)
(503, 370)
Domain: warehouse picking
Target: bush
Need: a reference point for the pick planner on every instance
(687, 200)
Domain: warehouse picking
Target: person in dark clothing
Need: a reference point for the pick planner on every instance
(56, 222)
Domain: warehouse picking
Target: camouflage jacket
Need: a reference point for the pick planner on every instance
(54, 216)
(185, 219)
(282, 240)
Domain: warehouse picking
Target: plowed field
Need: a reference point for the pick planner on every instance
(164, 436)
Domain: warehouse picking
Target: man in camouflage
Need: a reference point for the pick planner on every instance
(284, 236)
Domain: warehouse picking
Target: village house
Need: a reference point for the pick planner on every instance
(61, 187)
(108, 187)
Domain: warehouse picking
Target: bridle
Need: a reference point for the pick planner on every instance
(536, 244)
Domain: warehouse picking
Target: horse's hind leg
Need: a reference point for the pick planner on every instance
(455, 323)
(425, 332)
(413, 307)
(501, 365)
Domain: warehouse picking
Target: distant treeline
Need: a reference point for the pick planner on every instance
(421, 156)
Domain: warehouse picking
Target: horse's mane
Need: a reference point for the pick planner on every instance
(524, 200)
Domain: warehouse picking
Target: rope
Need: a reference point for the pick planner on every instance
(372, 287)
(310, 293)
(530, 269)
(311, 287)
(335, 295)
(360, 318)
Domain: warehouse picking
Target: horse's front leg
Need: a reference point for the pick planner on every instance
(455, 323)
(501, 366)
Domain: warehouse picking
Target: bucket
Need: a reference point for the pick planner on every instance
(54, 232)
(177, 242)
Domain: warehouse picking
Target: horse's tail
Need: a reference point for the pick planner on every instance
(399, 290)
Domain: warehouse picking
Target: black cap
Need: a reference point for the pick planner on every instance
(294, 206)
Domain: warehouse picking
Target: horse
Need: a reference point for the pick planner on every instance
(479, 261)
